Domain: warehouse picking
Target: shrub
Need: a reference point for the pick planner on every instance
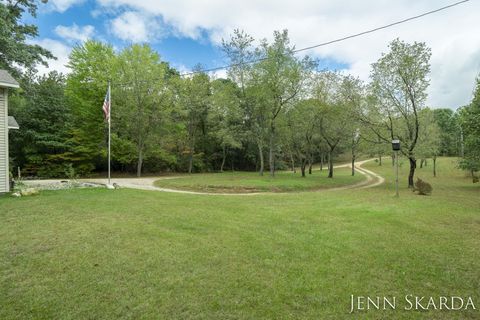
(70, 172)
(423, 187)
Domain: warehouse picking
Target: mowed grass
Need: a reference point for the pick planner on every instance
(131, 254)
(247, 182)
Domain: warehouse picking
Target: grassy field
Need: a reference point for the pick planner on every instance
(131, 254)
(244, 182)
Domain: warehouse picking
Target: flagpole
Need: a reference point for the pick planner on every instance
(109, 117)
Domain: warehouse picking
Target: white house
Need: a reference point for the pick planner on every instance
(6, 82)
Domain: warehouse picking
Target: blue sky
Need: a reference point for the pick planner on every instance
(180, 51)
(188, 32)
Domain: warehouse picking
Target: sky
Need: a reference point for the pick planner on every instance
(190, 32)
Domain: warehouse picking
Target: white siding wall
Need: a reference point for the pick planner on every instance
(4, 186)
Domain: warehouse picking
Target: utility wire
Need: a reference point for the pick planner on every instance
(335, 40)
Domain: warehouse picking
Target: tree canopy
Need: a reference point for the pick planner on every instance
(16, 52)
(274, 110)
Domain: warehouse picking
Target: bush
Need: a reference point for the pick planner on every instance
(70, 172)
(422, 187)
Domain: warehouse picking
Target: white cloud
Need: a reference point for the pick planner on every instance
(63, 5)
(136, 27)
(219, 74)
(75, 33)
(181, 68)
(59, 50)
(452, 34)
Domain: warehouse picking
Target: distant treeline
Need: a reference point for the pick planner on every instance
(275, 113)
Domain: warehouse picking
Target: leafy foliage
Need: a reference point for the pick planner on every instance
(15, 51)
(470, 123)
(42, 112)
(272, 106)
(399, 91)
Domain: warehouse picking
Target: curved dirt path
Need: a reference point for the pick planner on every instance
(372, 180)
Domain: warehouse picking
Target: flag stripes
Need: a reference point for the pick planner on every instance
(106, 106)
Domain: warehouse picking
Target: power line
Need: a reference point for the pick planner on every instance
(335, 40)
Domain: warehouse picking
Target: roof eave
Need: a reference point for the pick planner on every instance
(12, 123)
(9, 85)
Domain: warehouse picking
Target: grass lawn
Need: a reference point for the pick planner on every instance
(244, 182)
(131, 254)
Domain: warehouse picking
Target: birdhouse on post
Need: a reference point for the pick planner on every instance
(396, 145)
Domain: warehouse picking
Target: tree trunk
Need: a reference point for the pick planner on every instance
(393, 159)
(421, 163)
(434, 166)
(271, 160)
(330, 164)
(379, 159)
(303, 166)
(262, 161)
(310, 164)
(353, 164)
(413, 166)
(462, 146)
(190, 162)
(140, 163)
(224, 157)
(292, 162)
(321, 162)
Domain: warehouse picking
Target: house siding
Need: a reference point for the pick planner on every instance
(4, 185)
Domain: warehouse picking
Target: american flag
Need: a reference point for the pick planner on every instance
(106, 106)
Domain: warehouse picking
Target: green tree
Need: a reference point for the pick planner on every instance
(336, 121)
(302, 127)
(194, 99)
(429, 138)
(280, 77)
(399, 83)
(15, 51)
(92, 66)
(352, 92)
(241, 53)
(144, 99)
(226, 116)
(42, 111)
(447, 121)
(470, 123)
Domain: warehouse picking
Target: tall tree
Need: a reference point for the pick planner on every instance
(242, 54)
(470, 122)
(280, 77)
(429, 138)
(336, 112)
(447, 121)
(194, 99)
(302, 127)
(15, 50)
(92, 66)
(144, 98)
(226, 116)
(352, 93)
(399, 82)
(42, 111)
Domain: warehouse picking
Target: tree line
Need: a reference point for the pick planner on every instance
(274, 110)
